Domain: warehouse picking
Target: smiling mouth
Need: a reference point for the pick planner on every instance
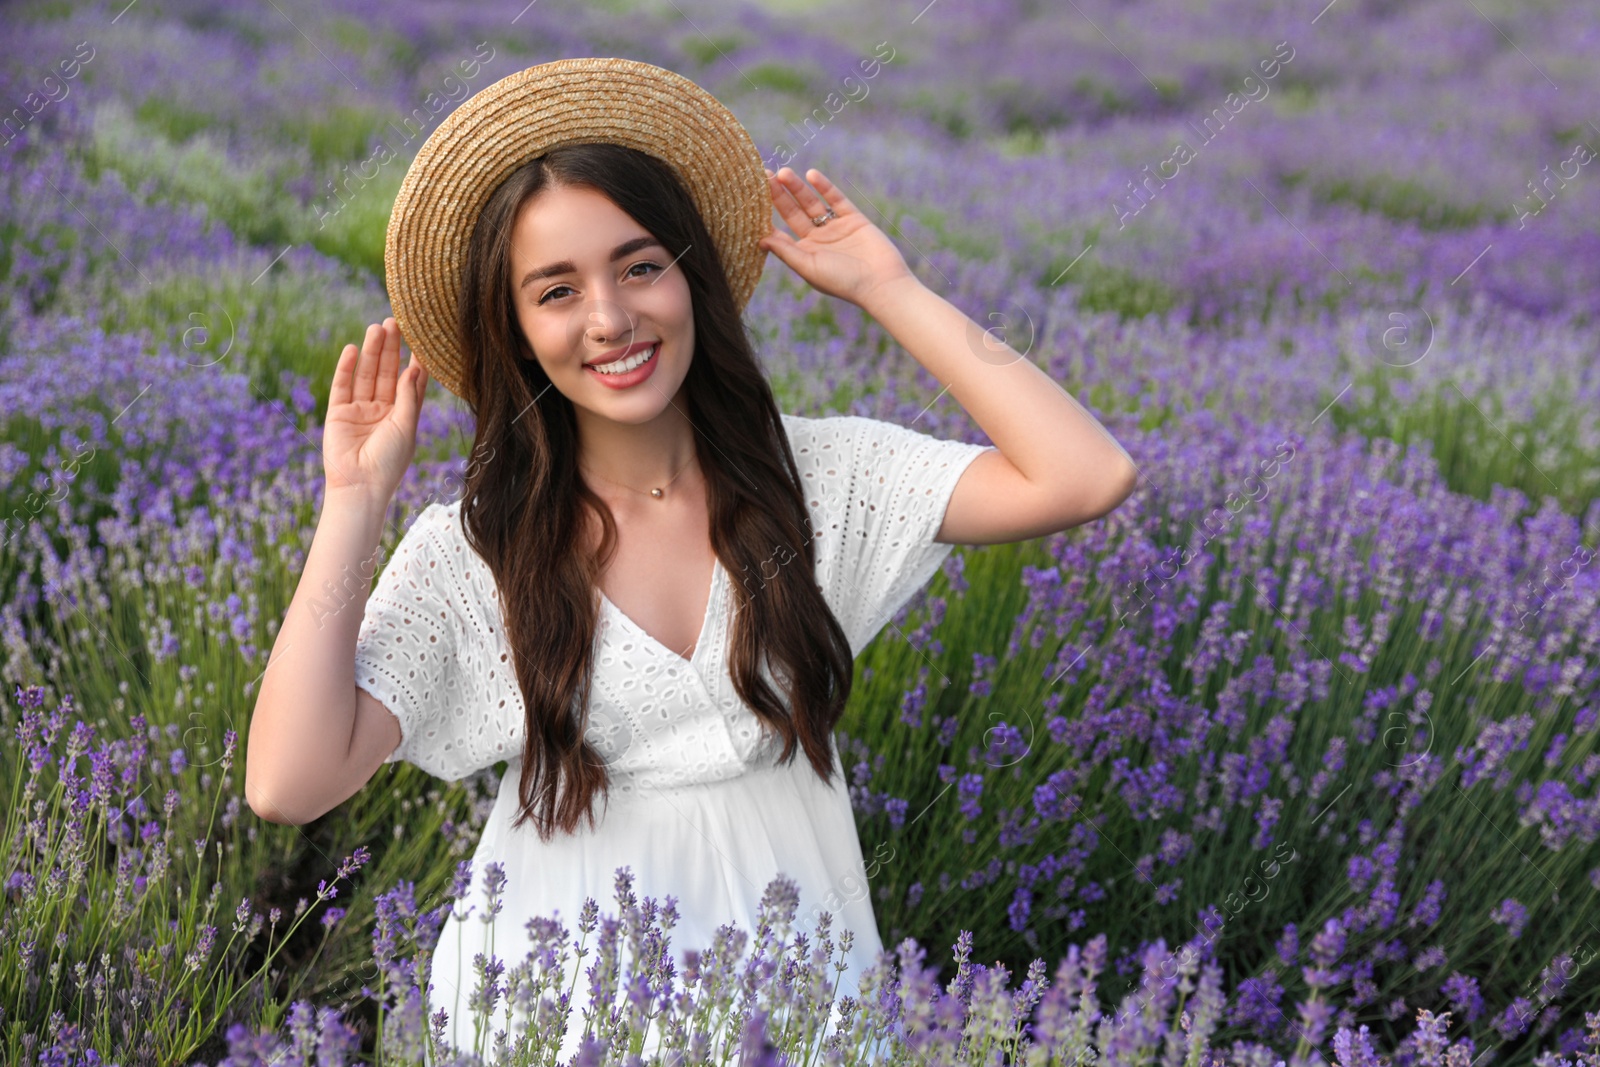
(627, 363)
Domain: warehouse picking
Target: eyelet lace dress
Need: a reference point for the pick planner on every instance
(698, 807)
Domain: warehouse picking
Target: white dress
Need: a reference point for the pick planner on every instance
(698, 808)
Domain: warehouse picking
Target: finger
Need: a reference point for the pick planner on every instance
(780, 244)
(343, 376)
(835, 197)
(810, 203)
(783, 198)
(389, 365)
(367, 365)
(408, 401)
(419, 380)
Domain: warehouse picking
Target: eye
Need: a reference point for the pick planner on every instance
(642, 263)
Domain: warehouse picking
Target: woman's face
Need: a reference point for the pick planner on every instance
(578, 306)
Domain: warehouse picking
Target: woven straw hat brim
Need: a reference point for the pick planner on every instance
(569, 101)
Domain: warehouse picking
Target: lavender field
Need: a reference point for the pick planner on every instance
(1292, 759)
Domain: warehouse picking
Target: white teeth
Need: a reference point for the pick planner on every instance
(623, 366)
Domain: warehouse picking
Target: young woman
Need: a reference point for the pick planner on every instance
(649, 595)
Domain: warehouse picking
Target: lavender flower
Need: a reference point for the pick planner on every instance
(1511, 915)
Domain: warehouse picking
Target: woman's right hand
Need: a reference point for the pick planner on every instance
(371, 430)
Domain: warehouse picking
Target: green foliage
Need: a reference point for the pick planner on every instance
(706, 50)
(1021, 140)
(1102, 287)
(414, 829)
(350, 227)
(1170, 90)
(239, 320)
(71, 474)
(176, 122)
(783, 78)
(1112, 398)
(354, 37)
(1294, 98)
(1479, 444)
(355, 229)
(199, 171)
(1308, 888)
(816, 323)
(1568, 136)
(341, 134)
(949, 110)
(64, 238)
(1021, 110)
(948, 232)
(45, 11)
(1103, 97)
(1402, 199)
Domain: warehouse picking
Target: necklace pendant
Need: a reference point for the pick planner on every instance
(656, 493)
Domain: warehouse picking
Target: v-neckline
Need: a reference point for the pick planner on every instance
(705, 623)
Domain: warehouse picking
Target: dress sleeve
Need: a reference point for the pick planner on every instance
(877, 493)
(408, 653)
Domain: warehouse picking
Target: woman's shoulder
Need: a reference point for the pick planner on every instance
(809, 434)
(434, 541)
(437, 524)
(435, 546)
(869, 443)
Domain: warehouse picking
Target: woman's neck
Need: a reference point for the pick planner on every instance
(659, 454)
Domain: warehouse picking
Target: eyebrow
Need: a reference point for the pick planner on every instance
(566, 266)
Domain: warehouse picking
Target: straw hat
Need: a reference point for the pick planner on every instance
(569, 101)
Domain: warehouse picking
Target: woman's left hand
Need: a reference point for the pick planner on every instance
(846, 257)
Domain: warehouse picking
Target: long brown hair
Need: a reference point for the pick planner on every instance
(523, 512)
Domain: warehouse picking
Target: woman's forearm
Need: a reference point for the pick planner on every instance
(1031, 419)
(304, 716)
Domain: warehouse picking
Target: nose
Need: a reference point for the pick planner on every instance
(605, 324)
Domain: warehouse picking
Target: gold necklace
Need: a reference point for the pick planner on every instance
(659, 492)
